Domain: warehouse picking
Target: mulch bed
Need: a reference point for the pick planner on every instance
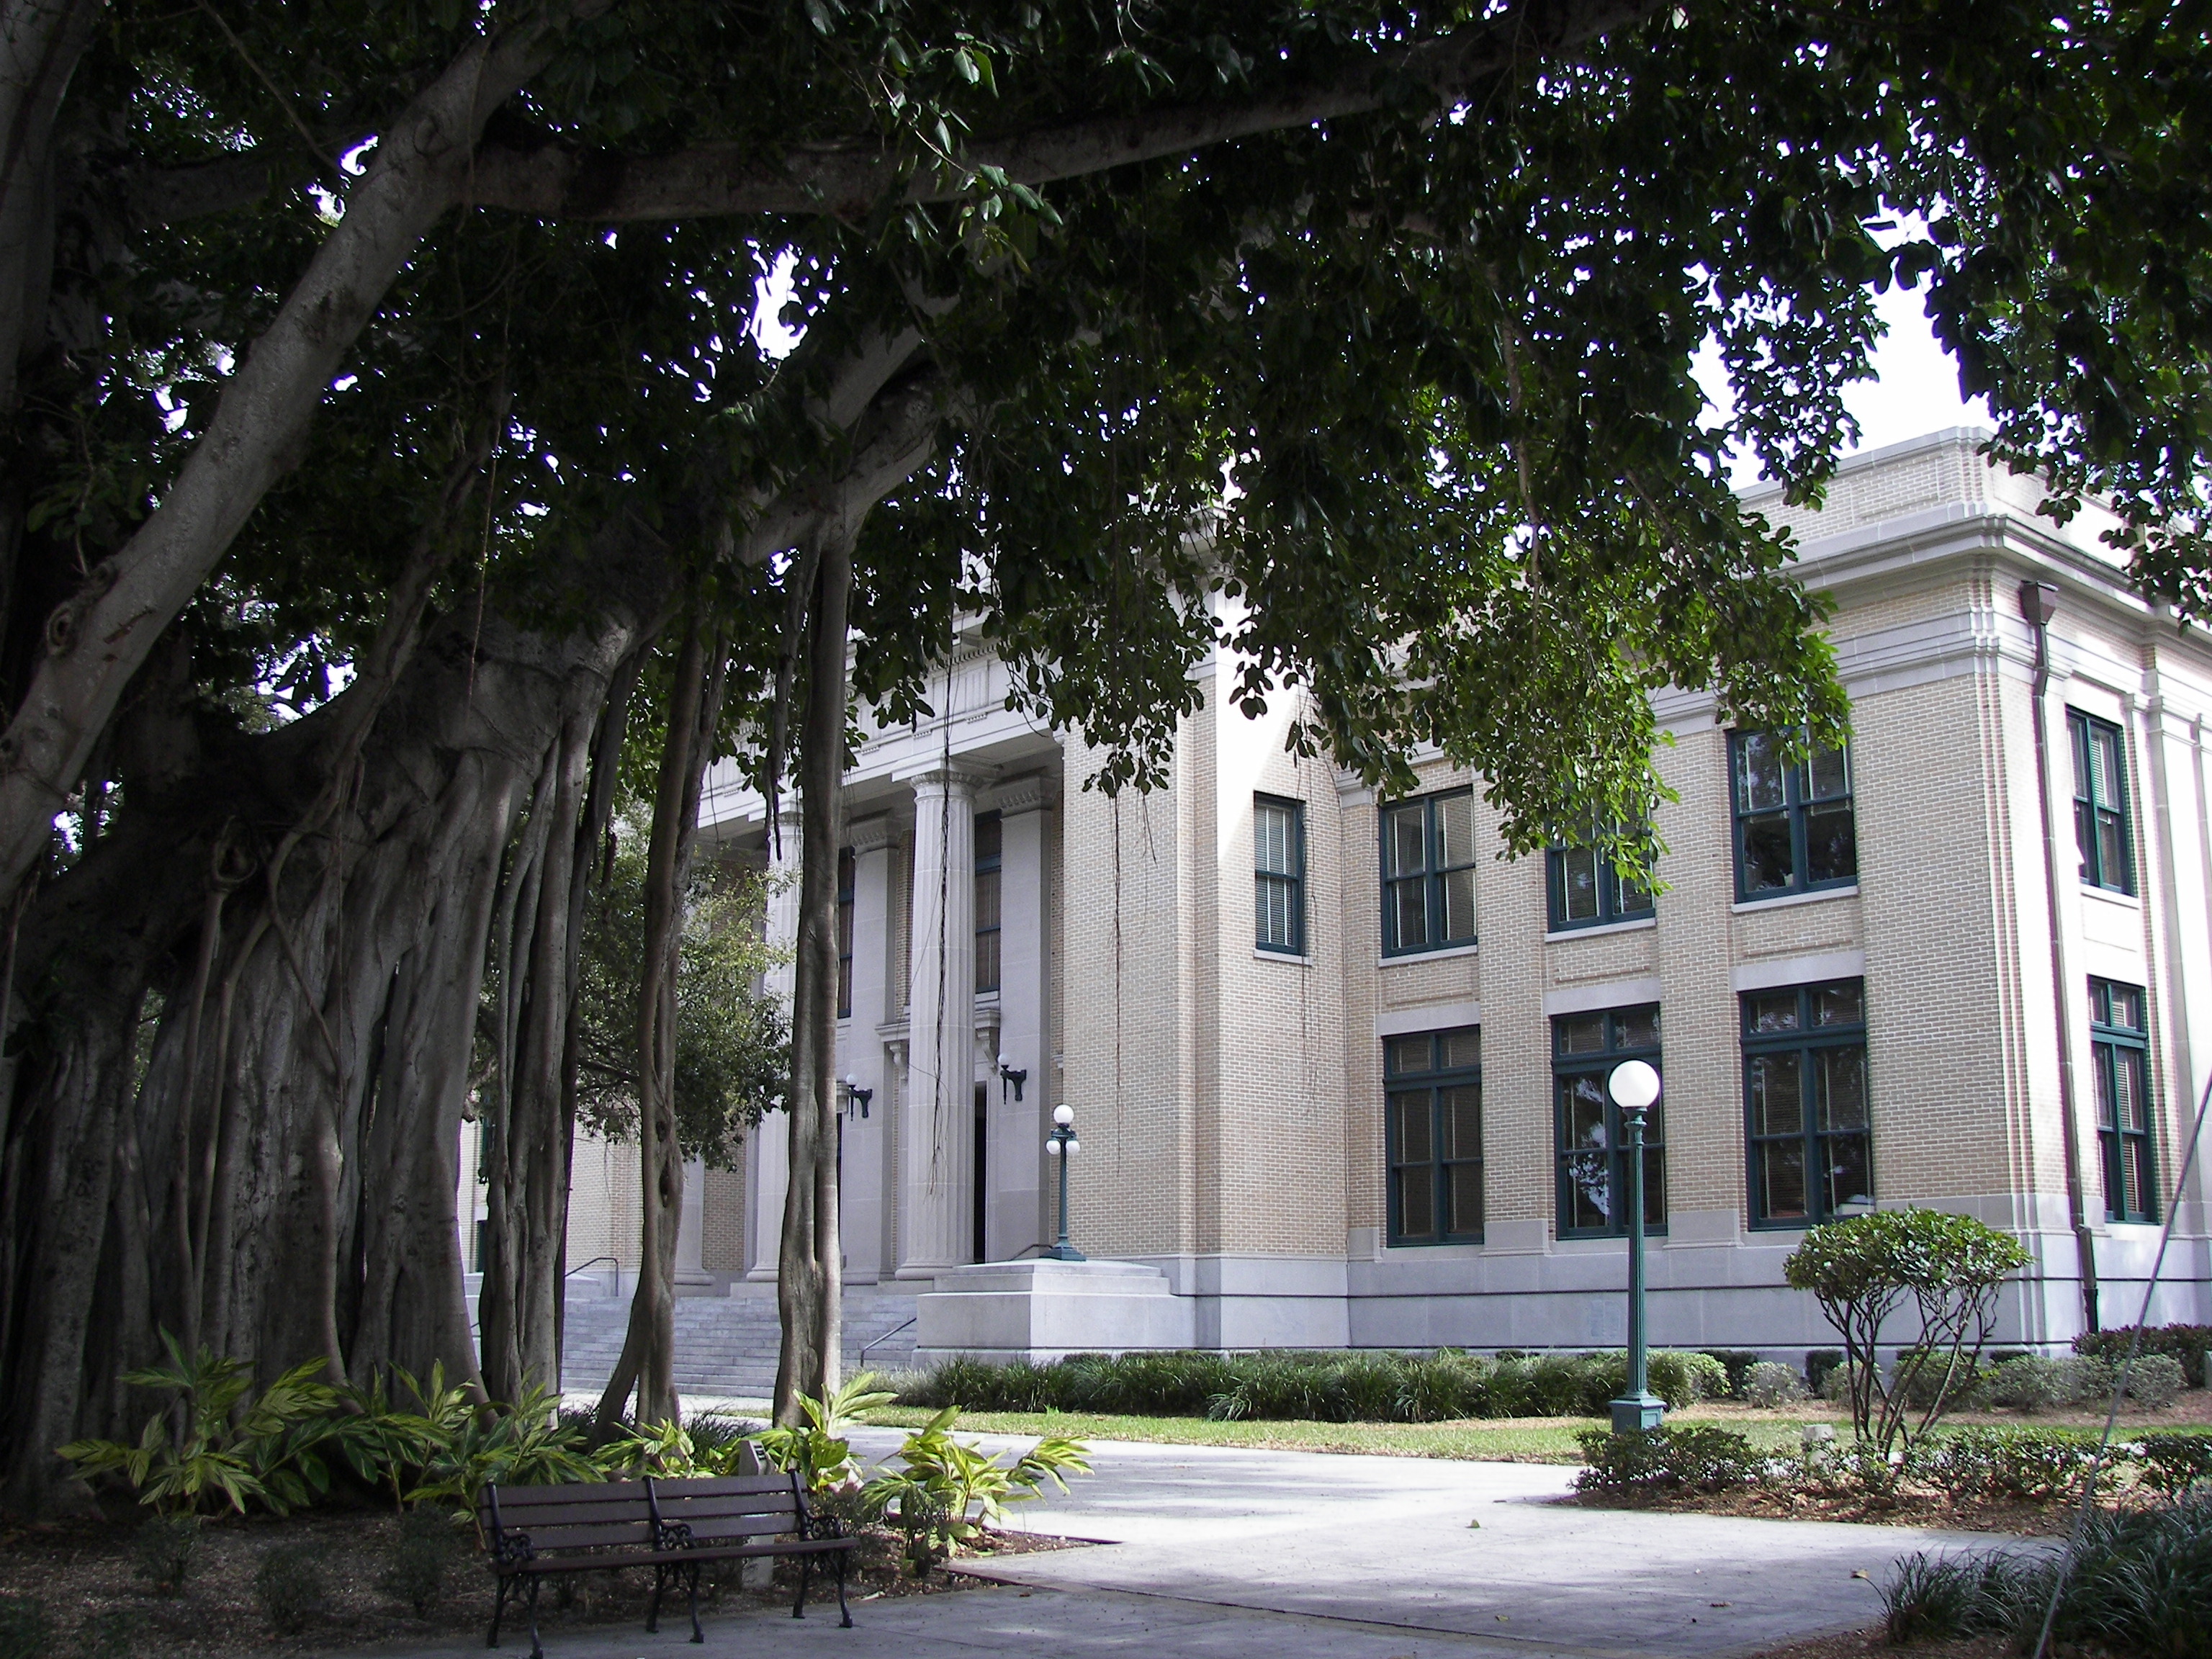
(84, 1573)
(1868, 1644)
(1905, 1508)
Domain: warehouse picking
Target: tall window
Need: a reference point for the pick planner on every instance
(845, 865)
(1428, 873)
(1805, 1104)
(989, 842)
(1588, 891)
(1794, 831)
(1279, 874)
(2119, 1053)
(1433, 1126)
(1593, 1167)
(2101, 802)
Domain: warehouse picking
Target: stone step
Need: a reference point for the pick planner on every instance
(730, 1345)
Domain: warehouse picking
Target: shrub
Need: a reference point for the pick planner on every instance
(1818, 1362)
(1944, 1268)
(949, 1491)
(292, 1586)
(420, 1557)
(25, 1631)
(2154, 1381)
(2088, 1379)
(162, 1548)
(2028, 1383)
(1705, 1458)
(1768, 1385)
(2139, 1583)
(1920, 1377)
(1940, 1598)
(2171, 1463)
(2185, 1343)
(1738, 1365)
(2011, 1465)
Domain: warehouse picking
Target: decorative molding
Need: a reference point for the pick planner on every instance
(870, 834)
(961, 778)
(1031, 792)
(1430, 1017)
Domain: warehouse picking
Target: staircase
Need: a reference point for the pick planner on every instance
(727, 1345)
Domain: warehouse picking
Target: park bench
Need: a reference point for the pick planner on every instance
(674, 1526)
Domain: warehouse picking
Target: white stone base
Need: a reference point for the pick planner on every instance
(1040, 1310)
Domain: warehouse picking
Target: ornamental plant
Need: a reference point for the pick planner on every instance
(1943, 1271)
(949, 1492)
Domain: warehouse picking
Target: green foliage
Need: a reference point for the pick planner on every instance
(949, 1492)
(1946, 1268)
(1738, 1363)
(1767, 1385)
(2139, 1584)
(815, 1447)
(25, 1631)
(421, 1557)
(1337, 1387)
(2185, 1343)
(2028, 1382)
(292, 1586)
(2154, 1381)
(162, 1549)
(732, 1041)
(2173, 1464)
(1704, 1458)
(215, 1441)
(524, 1444)
(391, 1445)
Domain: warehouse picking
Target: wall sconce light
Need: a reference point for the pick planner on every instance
(1009, 1074)
(856, 1095)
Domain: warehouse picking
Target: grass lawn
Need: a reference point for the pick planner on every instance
(1511, 1440)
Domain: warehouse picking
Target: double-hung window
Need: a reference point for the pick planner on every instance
(2119, 1053)
(1279, 875)
(990, 832)
(1587, 891)
(1428, 873)
(1432, 1086)
(1794, 829)
(1809, 1142)
(2101, 802)
(845, 869)
(1593, 1163)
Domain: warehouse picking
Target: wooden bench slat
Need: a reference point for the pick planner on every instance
(608, 1536)
(735, 1526)
(725, 1485)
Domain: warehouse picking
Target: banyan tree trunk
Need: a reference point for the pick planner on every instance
(311, 1083)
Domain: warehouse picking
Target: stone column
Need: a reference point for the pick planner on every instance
(692, 1230)
(860, 1055)
(937, 1148)
(768, 1149)
(1018, 1126)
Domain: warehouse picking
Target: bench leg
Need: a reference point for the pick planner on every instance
(806, 1572)
(691, 1576)
(845, 1613)
(652, 1612)
(530, 1603)
(504, 1587)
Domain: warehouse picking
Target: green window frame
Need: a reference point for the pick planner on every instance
(2119, 1056)
(1584, 888)
(1428, 873)
(1808, 1130)
(1433, 1136)
(1593, 1170)
(1795, 829)
(846, 864)
(1279, 875)
(990, 840)
(2102, 829)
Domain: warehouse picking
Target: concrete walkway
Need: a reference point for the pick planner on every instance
(1234, 1555)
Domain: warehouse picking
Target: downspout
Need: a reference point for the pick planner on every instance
(2038, 602)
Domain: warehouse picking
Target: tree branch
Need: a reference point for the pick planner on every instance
(850, 180)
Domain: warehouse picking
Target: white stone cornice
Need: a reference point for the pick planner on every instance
(870, 834)
(1030, 793)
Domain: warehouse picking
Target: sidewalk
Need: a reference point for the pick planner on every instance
(1227, 1553)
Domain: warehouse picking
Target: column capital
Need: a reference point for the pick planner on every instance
(1029, 794)
(870, 834)
(958, 781)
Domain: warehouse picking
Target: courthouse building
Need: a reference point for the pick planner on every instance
(1337, 1064)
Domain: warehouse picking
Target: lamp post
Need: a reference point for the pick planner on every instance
(1634, 1086)
(1061, 1145)
(856, 1095)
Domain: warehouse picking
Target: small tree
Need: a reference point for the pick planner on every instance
(1864, 1269)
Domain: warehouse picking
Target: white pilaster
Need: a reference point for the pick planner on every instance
(691, 1227)
(767, 1151)
(1015, 1217)
(860, 1055)
(937, 1148)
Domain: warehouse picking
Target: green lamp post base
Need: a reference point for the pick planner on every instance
(1638, 1413)
(1062, 1251)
